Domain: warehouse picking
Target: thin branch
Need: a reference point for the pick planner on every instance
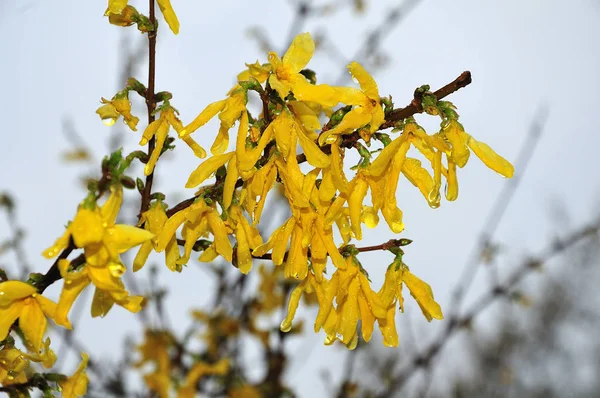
(150, 104)
(455, 323)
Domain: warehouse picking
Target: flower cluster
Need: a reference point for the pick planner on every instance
(298, 144)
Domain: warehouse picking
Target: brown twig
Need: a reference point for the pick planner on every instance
(455, 323)
(150, 104)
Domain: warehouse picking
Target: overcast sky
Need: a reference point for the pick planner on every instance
(60, 57)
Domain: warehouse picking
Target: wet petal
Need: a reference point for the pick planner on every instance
(207, 168)
(8, 315)
(123, 237)
(491, 159)
(167, 10)
(366, 81)
(208, 113)
(11, 291)
(423, 294)
(33, 324)
(300, 52)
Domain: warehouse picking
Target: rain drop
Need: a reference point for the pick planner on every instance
(285, 326)
(109, 122)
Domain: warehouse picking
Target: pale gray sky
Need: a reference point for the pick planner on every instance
(60, 57)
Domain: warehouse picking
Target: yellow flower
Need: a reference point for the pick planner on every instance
(154, 219)
(116, 6)
(195, 227)
(255, 70)
(160, 130)
(109, 289)
(76, 385)
(118, 106)
(167, 10)
(247, 238)
(460, 141)
(126, 17)
(398, 274)
(258, 186)
(19, 300)
(229, 110)
(355, 300)
(367, 104)
(13, 363)
(286, 76)
(197, 372)
(155, 350)
(94, 229)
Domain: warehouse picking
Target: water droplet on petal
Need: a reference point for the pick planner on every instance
(116, 269)
(285, 326)
(330, 339)
(353, 343)
(109, 122)
(434, 198)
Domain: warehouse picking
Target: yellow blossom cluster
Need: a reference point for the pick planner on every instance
(300, 122)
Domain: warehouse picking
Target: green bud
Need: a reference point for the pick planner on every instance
(127, 182)
(139, 184)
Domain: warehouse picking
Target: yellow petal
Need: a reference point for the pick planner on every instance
(150, 131)
(198, 150)
(350, 313)
(8, 315)
(314, 155)
(423, 294)
(116, 6)
(132, 303)
(142, 256)
(103, 279)
(282, 89)
(33, 324)
(366, 318)
(300, 52)
(355, 204)
(172, 256)
(207, 168)
(458, 139)
(221, 142)
(294, 300)
(110, 209)
(101, 303)
(123, 237)
(491, 159)
(244, 257)
(170, 228)
(208, 255)
(217, 226)
(76, 385)
(387, 327)
(11, 291)
(59, 245)
(352, 120)
(322, 94)
(161, 136)
(366, 81)
(208, 113)
(230, 181)
(383, 160)
(169, 14)
(87, 227)
(418, 176)
(72, 288)
(452, 188)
